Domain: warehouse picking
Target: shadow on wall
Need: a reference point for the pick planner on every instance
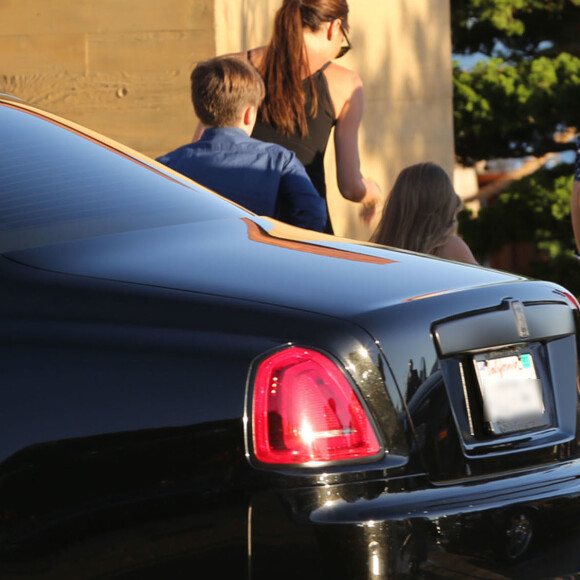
(243, 24)
(257, 28)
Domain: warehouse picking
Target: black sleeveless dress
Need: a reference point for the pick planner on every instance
(310, 150)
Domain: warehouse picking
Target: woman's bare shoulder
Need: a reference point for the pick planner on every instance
(343, 84)
(456, 249)
(343, 76)
(255, 55)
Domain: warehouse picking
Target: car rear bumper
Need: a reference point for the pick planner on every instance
(512, 527)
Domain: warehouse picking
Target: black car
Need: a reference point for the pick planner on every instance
(193, 391)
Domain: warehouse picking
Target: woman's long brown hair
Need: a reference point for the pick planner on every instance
(419, 214)
(285, 62)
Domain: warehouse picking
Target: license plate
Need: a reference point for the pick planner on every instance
(511, 391)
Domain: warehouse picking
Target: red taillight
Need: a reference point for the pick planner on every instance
(304, 409)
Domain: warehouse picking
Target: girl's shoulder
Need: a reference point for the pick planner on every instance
(456, 249)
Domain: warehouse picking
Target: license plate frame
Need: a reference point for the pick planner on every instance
(511, 391)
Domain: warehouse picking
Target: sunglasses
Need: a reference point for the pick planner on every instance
(344, 49)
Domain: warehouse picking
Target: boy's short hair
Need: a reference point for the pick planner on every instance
(222, 87)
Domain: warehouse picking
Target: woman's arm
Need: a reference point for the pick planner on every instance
(348, 97)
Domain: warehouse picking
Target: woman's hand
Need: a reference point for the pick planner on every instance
(371, 201)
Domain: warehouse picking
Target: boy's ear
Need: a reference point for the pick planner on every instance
(250, 114)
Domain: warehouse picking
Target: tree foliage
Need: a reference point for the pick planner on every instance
(535, 211)
(516, 102)
(519, 102)
(515, 28)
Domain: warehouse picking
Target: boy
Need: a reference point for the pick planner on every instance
(263, 177)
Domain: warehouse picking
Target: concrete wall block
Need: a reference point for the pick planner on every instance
(243, 24)
(65, 94)
(41, 54)
(44, 90)
(31, 17)
(402, 49)
(151, 113)
(413, 131)
(149, 51)
(145, 131)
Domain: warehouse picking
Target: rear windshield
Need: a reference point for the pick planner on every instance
(57, 185)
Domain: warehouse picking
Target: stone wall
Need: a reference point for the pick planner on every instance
(121, 67)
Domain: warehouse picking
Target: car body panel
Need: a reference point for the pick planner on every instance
(204, 257)
(130, 336)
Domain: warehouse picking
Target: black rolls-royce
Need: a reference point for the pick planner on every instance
(189, 390)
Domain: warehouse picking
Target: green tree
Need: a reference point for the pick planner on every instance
(515, 28)
(534, 210)
(522, 100)
(516, 102)
(504, 110)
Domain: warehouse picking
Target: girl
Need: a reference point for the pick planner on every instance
(420, 215)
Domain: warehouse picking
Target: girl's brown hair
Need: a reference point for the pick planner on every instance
(284, 62)
(420, 212)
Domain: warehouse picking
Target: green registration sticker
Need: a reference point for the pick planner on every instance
(526, 360)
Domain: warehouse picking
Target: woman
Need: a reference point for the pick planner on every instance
(420, 215)
(307, 95)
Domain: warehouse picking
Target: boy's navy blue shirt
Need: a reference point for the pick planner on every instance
(263, 177)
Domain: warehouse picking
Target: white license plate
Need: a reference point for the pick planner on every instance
(512, 393)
